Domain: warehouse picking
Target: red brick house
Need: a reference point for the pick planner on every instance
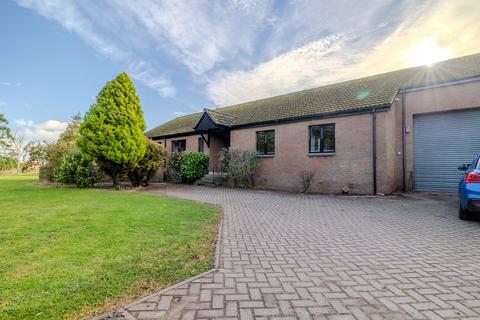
(407, 129)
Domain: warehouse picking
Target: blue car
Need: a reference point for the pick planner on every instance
(469, 190)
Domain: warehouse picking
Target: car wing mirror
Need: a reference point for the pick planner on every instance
(463, 167)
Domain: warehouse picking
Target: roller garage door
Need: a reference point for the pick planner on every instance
(442, 142)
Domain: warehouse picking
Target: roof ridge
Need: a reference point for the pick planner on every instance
(218, 112)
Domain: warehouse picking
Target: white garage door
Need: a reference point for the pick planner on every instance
(441, 143)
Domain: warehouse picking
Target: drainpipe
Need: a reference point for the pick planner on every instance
(404, 145)
(164, 165)
(374, 149)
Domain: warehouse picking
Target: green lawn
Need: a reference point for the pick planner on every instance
(67, 253)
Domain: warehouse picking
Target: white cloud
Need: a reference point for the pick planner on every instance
(179, 113)
(143, 72)
(3, 104)
(247, 49)
(199, 34)
(69, 15)
(49, 130)
(294, 70)
(450, 27)
(23, 123)
(52, 125)
(10, 84)
(348, 56)
(75, 18)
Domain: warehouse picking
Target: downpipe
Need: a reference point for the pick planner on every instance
(374, 149)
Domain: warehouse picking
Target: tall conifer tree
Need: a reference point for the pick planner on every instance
(112, 130)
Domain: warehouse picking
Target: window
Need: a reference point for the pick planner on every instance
(201, 145)
(322, 139)
(179, 145)
(266, 142)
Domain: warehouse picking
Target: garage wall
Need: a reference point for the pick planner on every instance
(443, 99)
(441, 143)
(391, 177)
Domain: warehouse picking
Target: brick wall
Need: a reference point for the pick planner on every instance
(351, 164)
(191, 143)
(390, 150)
(216, 144)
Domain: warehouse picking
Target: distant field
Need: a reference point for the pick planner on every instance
(32, 173)
(66, 253)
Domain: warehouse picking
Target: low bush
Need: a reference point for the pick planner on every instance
(223, 160)
(144, 171)
(193, 166)
(307, 177)
(242, 167)
(46, 175)
(174, 163)
(76, 169)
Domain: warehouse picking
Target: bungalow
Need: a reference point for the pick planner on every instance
(402, 130)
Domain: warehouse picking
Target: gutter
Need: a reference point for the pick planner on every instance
(174, 135)
(336, 114)
(440, 85)
(404, 145)
(165, 162)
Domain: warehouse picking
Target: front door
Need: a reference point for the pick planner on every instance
(218, 141)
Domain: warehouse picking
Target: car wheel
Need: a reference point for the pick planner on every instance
(463, 214)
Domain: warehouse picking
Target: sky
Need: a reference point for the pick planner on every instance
(183, 56)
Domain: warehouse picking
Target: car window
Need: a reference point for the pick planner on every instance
(478, 163)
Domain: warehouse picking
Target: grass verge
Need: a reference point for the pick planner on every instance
(68, 253)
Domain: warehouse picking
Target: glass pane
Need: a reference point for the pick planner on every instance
(201, 146)
(261, 142)
(315, 136)
(179, 145)
(329, 139)
(271, 142)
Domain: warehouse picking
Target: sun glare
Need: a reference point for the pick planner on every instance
(427, 52)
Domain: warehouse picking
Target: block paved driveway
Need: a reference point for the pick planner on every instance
(288, 256)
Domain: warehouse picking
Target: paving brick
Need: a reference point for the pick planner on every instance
(288, 256)
(232, 309)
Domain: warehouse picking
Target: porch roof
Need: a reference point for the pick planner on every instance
(213, 120)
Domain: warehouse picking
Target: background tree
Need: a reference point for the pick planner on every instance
(37, 154)
(65, 144)
(70, 135)
(17, 143)
(112, 131)
(7, 162)
(4, 131)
